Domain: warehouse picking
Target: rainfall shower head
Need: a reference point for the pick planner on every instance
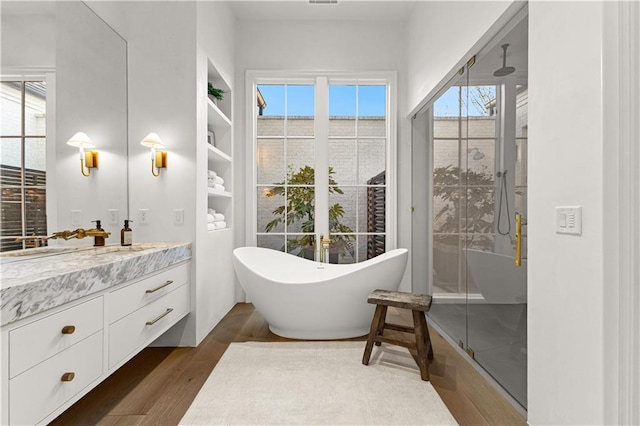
(477, 155)
(505, 70)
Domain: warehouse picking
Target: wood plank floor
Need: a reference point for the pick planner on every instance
(158, 385)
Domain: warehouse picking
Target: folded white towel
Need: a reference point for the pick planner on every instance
(211, 211)
(220, 225)
(218, 180)
(218, 217)
(218, 187)
(211, 174)
(211, 227)
(211, 218)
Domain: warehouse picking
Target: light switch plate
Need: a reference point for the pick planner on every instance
(569, 220)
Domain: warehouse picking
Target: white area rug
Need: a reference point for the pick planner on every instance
(309, 383)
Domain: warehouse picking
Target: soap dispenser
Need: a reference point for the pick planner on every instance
(98, 240)
(126, 234)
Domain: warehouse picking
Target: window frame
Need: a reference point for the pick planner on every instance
(388, 78)
(24, 77)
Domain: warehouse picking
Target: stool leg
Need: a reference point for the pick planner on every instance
(427, 339)
(378, 316)
(420, 325)
(381, 322)
(428, 342)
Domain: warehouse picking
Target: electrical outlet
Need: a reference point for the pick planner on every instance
(178, 217)
(76, 217)
(143, 216)
(114, 216)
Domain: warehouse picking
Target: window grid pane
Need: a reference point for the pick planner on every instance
(23, 164)
(357, 162)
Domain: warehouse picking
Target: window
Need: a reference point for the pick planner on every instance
(322, 161)
(22, 163)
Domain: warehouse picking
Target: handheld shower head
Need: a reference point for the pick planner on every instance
(505, 70)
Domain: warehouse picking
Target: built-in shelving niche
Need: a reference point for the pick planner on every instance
(220, 145)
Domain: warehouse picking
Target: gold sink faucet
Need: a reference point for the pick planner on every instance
(97, 233)
(33, 241)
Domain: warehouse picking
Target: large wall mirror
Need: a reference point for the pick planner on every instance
(64, 71)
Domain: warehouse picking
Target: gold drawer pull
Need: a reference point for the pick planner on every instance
(159, 287)
(155, 320)
(68, 329)
(67, 377)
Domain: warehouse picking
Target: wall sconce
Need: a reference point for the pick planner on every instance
(88, 159)
(158, 157)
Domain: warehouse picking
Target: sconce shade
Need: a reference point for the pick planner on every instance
(80, 140)
(158, 156)
(88, 159)
(152, 140)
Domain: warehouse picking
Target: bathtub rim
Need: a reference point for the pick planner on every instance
(331, 270)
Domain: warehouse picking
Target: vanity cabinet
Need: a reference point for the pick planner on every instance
(139, 313)
(41, 390)
(50, 360)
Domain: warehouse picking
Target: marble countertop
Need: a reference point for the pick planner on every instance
(34, 284)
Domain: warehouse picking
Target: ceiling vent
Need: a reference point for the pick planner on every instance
(323, 1)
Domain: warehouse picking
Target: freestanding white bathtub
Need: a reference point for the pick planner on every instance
(303, 299)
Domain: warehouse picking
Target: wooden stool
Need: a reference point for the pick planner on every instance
(419, 304)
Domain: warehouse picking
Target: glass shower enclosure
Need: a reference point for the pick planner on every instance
(475, 133)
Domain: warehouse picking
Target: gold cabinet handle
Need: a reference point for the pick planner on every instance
(159, 317)
(67, 377)
(159, 287)
(68, 329)
(518, 239)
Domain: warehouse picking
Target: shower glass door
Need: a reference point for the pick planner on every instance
(477, 132)
(494, 222)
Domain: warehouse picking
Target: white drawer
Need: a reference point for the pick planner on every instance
(127, 299)
(41, 339)
(37, 392)
(146, 324)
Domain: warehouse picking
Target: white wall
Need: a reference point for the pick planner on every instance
(329, 46)
(567, 280)
(441, 35)
(28, 40)
(161, 43)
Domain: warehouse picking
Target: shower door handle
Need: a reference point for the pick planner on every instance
(518, 239)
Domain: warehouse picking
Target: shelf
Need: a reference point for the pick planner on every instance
(217, 231)
(216, 118)
(216, 193)
(216, 154)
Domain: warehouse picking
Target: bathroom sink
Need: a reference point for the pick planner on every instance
(32, 253)
(37, 251)
(116, 249)
(123, 249)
